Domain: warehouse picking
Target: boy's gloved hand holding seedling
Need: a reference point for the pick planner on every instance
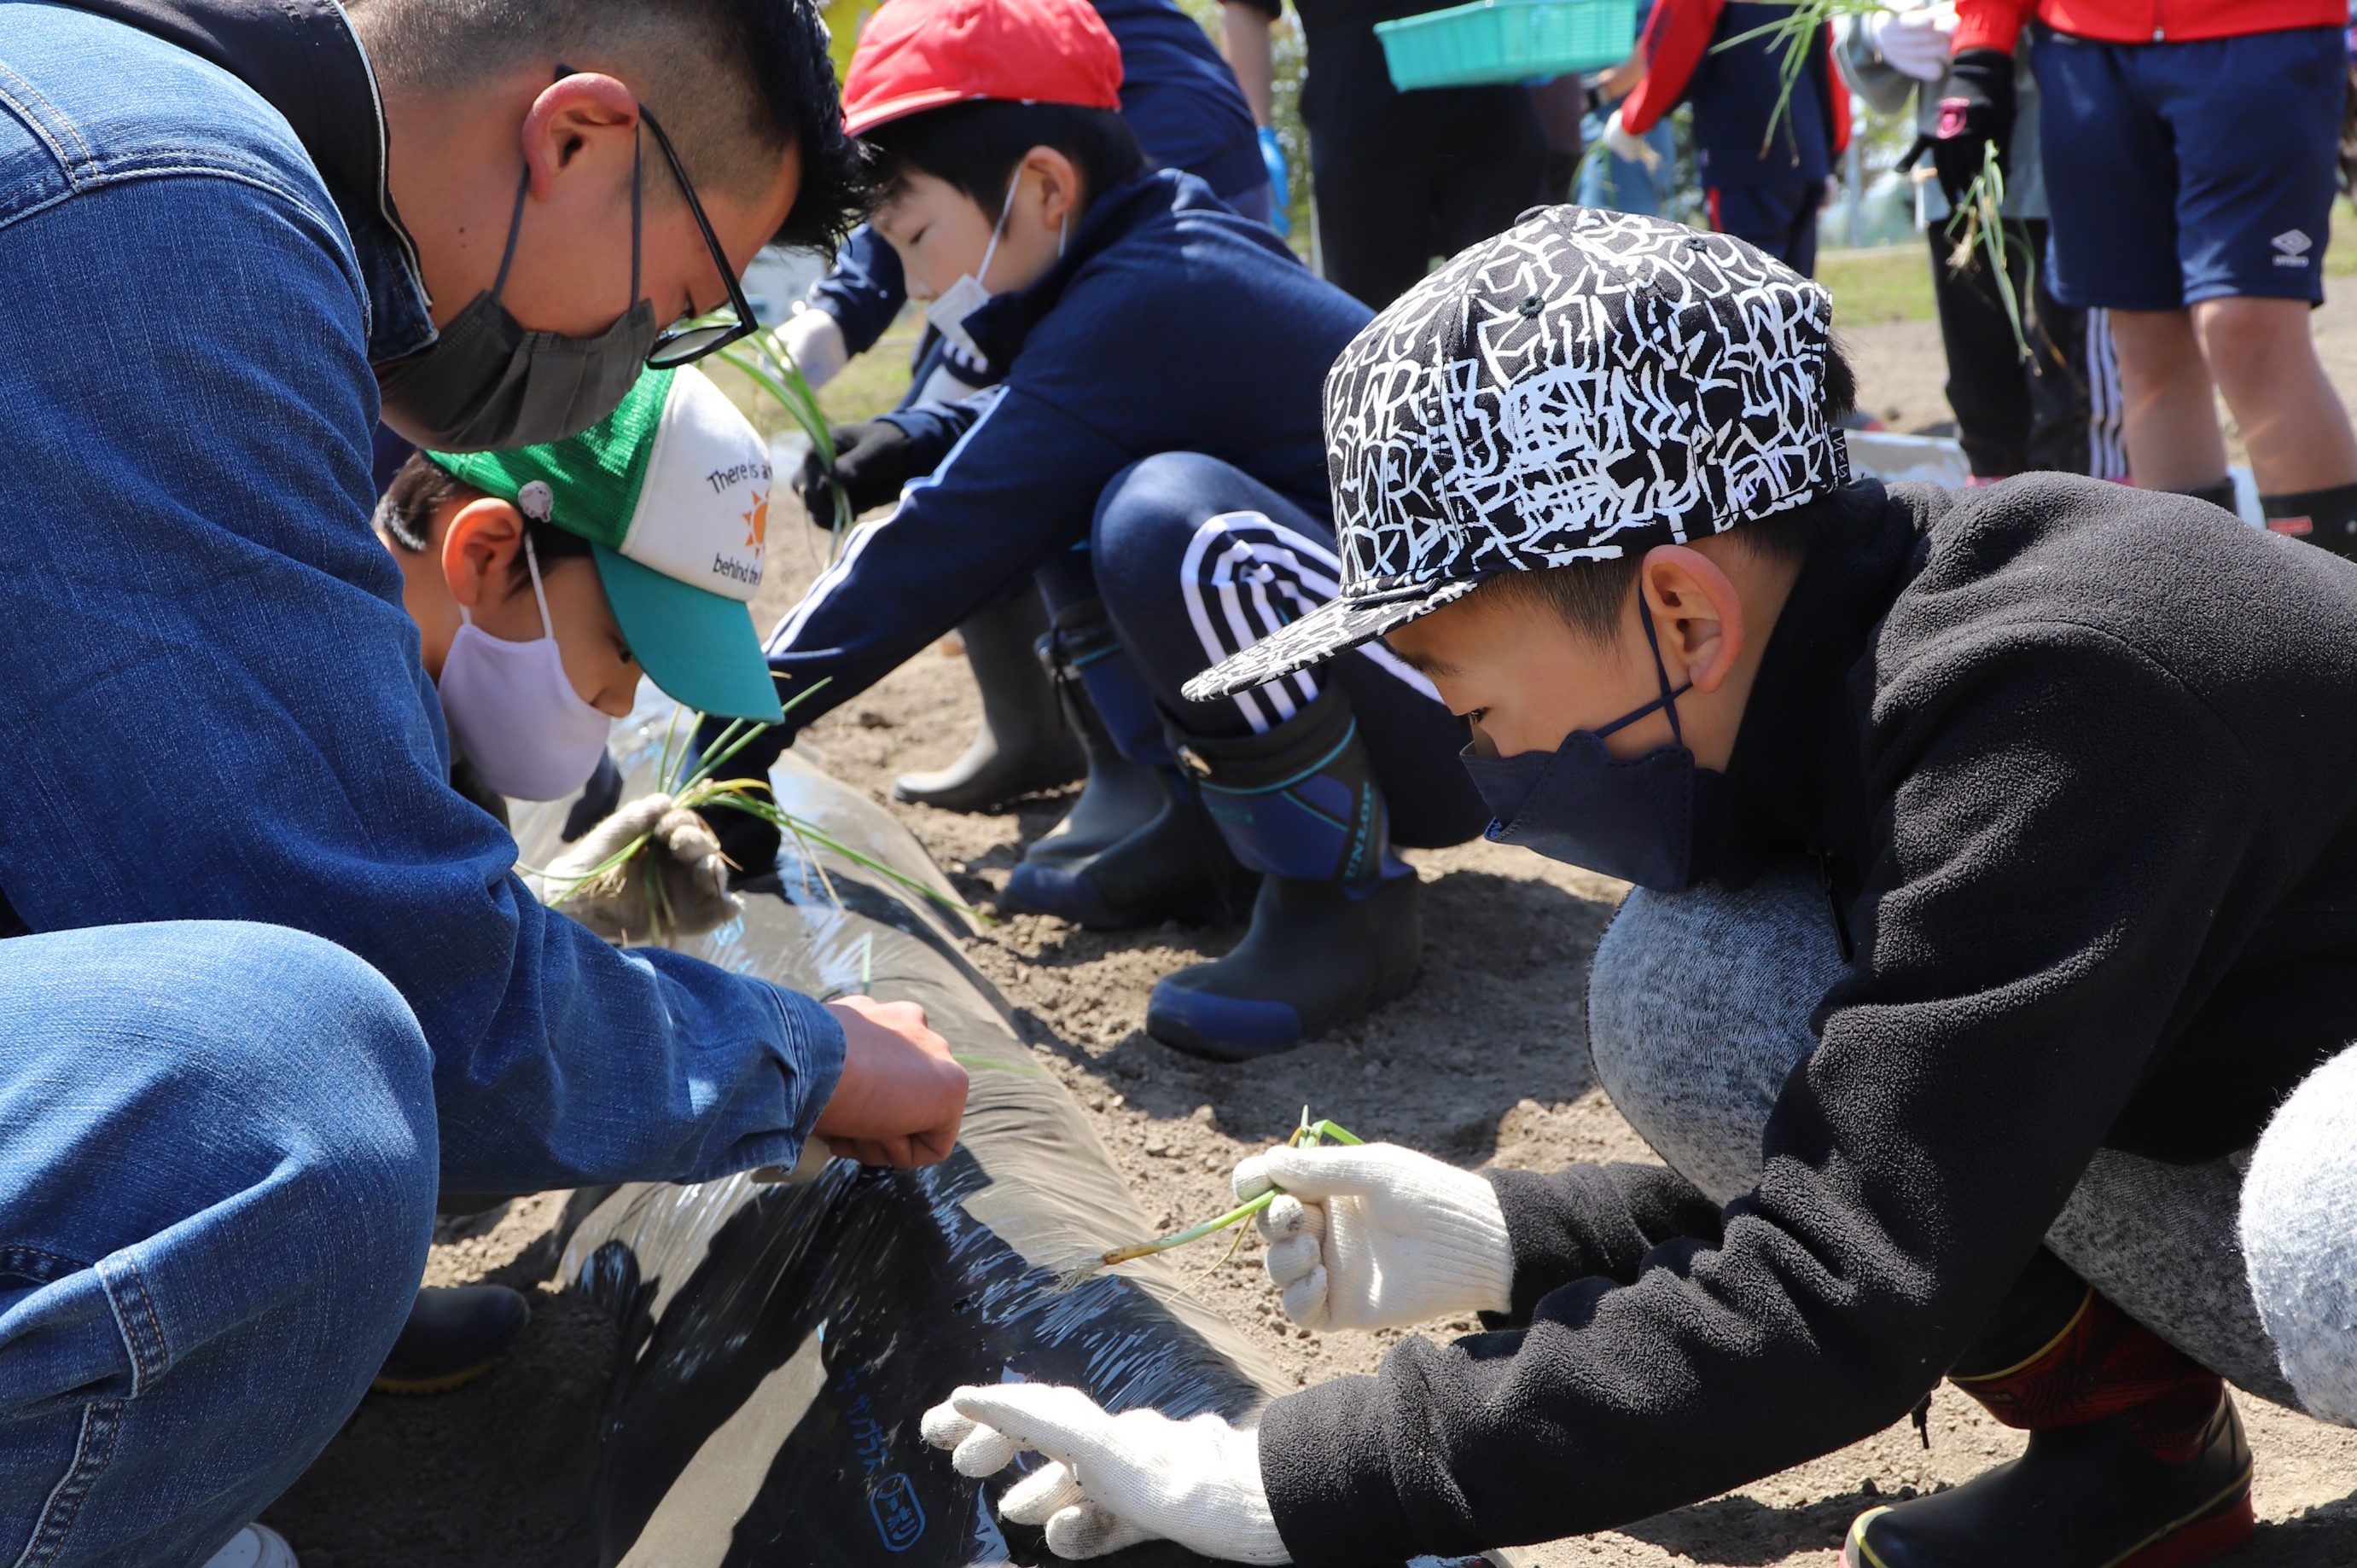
(614, 896)
(1378, 1235)
(1115, 1480)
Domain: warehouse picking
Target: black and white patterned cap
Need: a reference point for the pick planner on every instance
(1584, 386)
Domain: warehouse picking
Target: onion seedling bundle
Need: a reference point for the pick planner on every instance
(700, 786)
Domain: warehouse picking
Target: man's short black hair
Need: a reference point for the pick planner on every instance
(735, 82)
(974, 147)
(1592, 596)
(422, 488)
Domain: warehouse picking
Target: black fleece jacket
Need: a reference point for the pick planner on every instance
(2081, 760)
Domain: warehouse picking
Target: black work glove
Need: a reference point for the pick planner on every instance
(872, 460)
(751, 843)
(1975, 114)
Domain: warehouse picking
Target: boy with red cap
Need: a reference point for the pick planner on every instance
(1153, 454)
(1182, 103)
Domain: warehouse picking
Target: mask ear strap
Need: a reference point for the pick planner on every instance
(532, 562)
(638, 196)
(1668, 701)
(1669, 698)
(515, 227)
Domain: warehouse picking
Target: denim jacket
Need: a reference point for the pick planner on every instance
(211, 704)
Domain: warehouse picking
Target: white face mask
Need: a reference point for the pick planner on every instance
(513, 715)
(947, 313)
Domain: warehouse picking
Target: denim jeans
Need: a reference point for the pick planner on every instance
(217, 1174)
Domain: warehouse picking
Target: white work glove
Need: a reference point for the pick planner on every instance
(1915, 43)
(620, 903)
(1376, 1236)
(814, 338)
(1629, 148)
(1116, 1480)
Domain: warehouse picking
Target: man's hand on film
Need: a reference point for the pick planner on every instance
(1378, 1237)
(676, 885)
(902, 1095)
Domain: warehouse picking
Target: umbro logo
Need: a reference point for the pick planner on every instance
(2291, 248)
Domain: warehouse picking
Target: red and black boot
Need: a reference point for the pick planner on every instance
(2136, 1459)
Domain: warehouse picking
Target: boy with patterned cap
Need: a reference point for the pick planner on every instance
(1986, 989)
(544, 581)
(1151, 457)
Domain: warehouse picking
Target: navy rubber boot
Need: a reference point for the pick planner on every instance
(454, 1334)
(1137, 848)
(1337, 928)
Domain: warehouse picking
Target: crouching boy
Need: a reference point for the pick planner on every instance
(1152, 453)
(544, 581)
(1987, 988)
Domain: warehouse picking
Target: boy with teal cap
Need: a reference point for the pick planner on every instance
(669, 494)
(535, 654)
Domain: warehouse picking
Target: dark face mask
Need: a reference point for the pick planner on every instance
(489, 384)
(1646, 820)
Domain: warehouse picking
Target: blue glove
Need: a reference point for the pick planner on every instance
(1280, 181)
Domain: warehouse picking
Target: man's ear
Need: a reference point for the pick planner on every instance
(1059, 190)
(571, 117)
(479, 552)
(1697, 613)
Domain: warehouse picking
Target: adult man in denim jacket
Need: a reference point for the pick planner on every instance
(277, 980)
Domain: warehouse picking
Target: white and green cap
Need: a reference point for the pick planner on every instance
(671, 490)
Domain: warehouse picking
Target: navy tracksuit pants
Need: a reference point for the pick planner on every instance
(1196, 561)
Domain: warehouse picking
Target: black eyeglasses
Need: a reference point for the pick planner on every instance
(684, 345)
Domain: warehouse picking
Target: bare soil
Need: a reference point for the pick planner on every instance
(1485, 1062)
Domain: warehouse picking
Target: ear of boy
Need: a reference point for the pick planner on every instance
(479, 546)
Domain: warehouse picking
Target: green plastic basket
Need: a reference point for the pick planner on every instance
(1507, 40)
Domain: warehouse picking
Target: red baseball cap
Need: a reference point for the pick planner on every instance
(915, 55)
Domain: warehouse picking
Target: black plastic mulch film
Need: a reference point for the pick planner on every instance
(781, 1342)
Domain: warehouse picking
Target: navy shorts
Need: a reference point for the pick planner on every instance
(2177, 173)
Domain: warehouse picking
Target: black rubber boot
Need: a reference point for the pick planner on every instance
(454, 1336)
(1024, 746)
(1137, 848)
(2326, 519)
(1336, 929)
(2136, 1459)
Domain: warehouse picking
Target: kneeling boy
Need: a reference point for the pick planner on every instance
(1988, 989)
(1153, 455)
(544, 581)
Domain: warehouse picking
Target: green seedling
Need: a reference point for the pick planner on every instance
(1309, 1134)
(1796, 34)
(769, 365)
(1978, 227)
(700, 786)
(1978, 222)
